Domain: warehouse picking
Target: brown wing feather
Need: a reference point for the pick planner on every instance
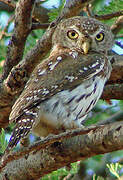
(53, 75)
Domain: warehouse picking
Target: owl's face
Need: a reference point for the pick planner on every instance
(83, 34)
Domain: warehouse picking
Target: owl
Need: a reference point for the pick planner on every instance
(64, 87)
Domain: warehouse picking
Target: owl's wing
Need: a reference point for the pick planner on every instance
(56, 73)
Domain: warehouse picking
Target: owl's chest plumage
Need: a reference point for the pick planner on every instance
(68, 108)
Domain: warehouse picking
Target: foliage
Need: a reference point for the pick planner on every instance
(32, 38)
(61, 173)
(53, 14)
(113, 6)
(114, 169)
(3, 142)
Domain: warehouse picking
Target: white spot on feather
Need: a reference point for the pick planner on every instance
(42, 72)
(53, 66)
(74, 54)
(70, 78)
(59, 58)
(45, 91)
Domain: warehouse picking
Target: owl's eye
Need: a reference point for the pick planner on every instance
(100, 37)
(72, 34)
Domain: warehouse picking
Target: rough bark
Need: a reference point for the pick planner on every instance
(104, 139)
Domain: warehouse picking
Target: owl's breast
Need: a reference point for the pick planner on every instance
(68, 108)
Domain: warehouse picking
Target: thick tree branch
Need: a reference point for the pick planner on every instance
(22, 28)
(39, 13)
(15, 53)
(114, 91)
(102, 140)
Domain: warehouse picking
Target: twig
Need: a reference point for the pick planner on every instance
(39, 26)
(119, 36)
(109, 16)
(3, 33)
(118, 25)
(10, 3)
(115, 117)
(72, 8)
(89, 11)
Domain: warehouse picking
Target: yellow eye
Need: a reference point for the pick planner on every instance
(72, 34)
(100, 37)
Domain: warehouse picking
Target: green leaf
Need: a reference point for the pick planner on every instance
(3, 142)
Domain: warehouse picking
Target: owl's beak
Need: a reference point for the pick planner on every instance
(85, 46)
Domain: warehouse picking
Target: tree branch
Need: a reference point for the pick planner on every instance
(21, 30)
(39, 13)
(72, 8)
(11, 3)
(114, 91)
(102, 140)
(89, 11)
(118, 116)
(118, 25)
(39, 26)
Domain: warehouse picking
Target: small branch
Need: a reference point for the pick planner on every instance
(119, 36)
(3, 33)
(72, 8)
(115, 117)
(118, 25)
(108, 16)
(39, 26)
(10, 3)
(40, 14)
(89, 12)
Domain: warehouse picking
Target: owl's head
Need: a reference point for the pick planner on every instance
(83, 34)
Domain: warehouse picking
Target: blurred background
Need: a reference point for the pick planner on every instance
(99, 167)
